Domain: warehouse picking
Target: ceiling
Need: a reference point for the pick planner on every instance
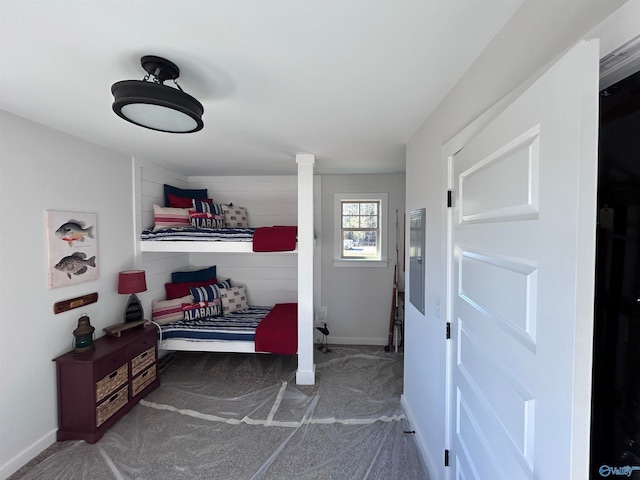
(349, 81)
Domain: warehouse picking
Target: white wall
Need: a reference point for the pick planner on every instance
(43, 169)
(538, 33)
(358, 299)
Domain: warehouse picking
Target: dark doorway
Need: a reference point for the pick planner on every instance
(615, 427)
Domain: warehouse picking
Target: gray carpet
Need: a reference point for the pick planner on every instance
(241, 416)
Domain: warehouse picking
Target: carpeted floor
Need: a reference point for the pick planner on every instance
(241, 416)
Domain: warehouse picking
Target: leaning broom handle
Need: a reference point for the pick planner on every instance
(393, 311)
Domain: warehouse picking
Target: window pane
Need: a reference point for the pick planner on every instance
(351, 222)
(350, 208)
(360, 244)
(368, 222)
(369, 208)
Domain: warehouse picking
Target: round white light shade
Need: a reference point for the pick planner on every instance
(158, 117)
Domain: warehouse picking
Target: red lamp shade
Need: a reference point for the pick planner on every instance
(132, 281)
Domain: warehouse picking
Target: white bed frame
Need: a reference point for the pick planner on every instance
(201, 247)
(222, 346)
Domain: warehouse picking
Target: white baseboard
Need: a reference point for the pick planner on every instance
(28, 454)
(356, 341)
(427, 459)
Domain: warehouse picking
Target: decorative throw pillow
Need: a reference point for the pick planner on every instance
(177, 290)
(167, 311)
(205, 207)
(205, 293)
(167, 217)
(206, 221)
(235, 217)
(233, 299)
(199, 193)
(184, 202)
(209, 293)
(200, 310)
(200, 275)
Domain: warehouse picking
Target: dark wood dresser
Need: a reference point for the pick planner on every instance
(95, 389)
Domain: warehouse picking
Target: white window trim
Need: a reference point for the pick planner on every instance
(338, 261)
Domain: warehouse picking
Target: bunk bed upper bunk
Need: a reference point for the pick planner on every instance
(191, 222)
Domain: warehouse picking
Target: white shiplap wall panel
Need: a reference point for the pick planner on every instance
(158, 174)
(269, 200)
(269, 277)
(264, 260)
(158, 266)
(153, 178)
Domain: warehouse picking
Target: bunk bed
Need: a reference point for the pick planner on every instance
(299, 242)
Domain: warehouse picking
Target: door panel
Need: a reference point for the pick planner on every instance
(520, 188)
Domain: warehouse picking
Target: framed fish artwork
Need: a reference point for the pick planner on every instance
(73, 247)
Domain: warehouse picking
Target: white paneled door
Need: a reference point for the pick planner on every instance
(522, 246)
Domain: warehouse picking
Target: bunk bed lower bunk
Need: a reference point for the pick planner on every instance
(254, 329)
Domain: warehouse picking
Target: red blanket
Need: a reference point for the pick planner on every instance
(275, 239)
(278, 332)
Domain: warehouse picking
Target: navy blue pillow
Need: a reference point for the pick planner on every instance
(209, 293)
(194, 276)
(199, 194)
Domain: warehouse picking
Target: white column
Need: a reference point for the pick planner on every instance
(306, 368)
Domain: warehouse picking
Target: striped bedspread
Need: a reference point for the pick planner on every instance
(240, 325)
(200, 235)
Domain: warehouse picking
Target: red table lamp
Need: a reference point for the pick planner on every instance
(132, 281)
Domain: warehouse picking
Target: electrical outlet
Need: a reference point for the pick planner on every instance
(321, 315)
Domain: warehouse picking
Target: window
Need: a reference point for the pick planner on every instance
(360, 229)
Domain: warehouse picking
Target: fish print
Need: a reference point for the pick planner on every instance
(75, 264)
(73, 231)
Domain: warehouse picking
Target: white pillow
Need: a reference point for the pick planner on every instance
(235, 217)
(168, 311)
(168, 217)
(233, 299)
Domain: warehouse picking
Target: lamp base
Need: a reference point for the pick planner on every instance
(133, 311)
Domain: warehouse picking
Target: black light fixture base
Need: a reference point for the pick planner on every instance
(159, 67)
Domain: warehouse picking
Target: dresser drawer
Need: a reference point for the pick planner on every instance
(110, 383)
(141, 381)
(111, 405)
(148, 339)
(110, 363)
(142, 361)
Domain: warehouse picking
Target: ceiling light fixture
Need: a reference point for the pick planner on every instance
(151, 104)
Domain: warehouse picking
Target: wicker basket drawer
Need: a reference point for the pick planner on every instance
(108, 384)
(111, 405)
(143, 360)
(141, 381)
